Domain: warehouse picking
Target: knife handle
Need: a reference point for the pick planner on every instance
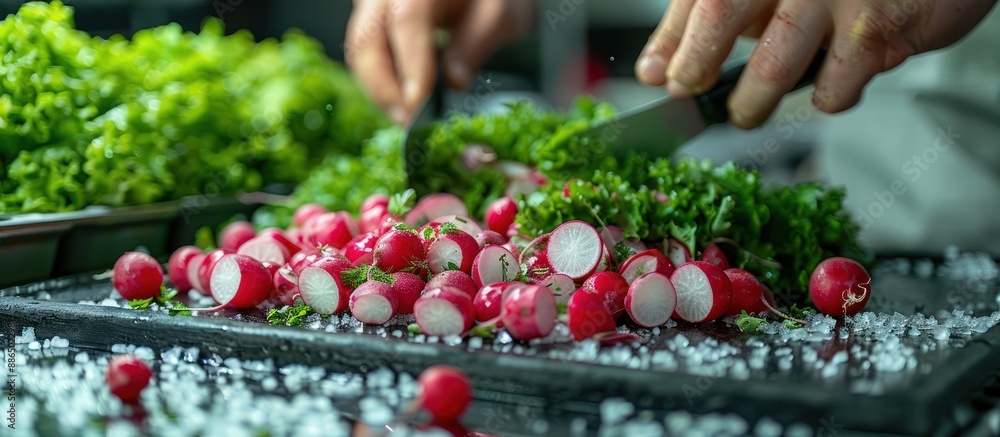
(714, 108)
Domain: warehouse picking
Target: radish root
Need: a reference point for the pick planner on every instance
(781, 314)
(853, 298)
(764, 262)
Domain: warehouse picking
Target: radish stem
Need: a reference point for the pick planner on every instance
(781, 314)
(764, 262)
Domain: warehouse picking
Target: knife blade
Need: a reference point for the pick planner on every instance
(660, 127)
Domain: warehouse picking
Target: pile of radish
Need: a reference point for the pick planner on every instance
(452, 272)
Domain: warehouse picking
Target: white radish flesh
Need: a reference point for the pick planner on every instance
(529, 312)
(322, 287)
(651, 300)
(444, 311)
(562, 286)
(452, 251)
(493, 264)
(703, 291)
(265, 249)
(648, 261)
(373, 303)
(575, 249)
(239, 281)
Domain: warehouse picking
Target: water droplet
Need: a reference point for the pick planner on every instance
(767, 42)
(329, 107)
(612, 59)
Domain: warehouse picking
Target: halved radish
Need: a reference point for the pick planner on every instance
(375, 201)
(193, 266)
(703, 291)
(361, 249)
(433, 207)
(588, 315)
(575, 249)
(500, 214)
(611, 236)
(562, 286)
(463, 223)
(332, 229)
(489, 237)
(444, 311)
(374, 303)
(399, 249)
(606, 261)
(235, 234)
(529, 312)
(239, 281)
(452, 251)
(306, 212)
(279, 236)
(302, 259)
(207, 264)
(747, 293)
(533, 257)
(286, 286)
(647, 261)
(408, 288)
(651, 300)
(677, 252)
(453, 278)
(177, 267)
(488, 299)
(493, 264)
(389, 222)
(271, 268)
(611, 286)
(322, 287)
(714, 255)
(265, 249)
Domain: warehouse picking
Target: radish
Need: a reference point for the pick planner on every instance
(703, 291)
(575, 248)
(408, 288)
(375, 201)
(388, 223)
(677, 252)
(612, 288)
(529, 312)
(455, 279)
(322, 287)
(840, 286)
(647, 261)
(279, 236)
(332, 229)
(606, 260)
(433, 207)
(651, 300)
(137, 276)
(286, 286)
(562, 286)
(177, 267)
(488, 299)
(444, 392)
(747, 293)
(126, 377)
(534, 258)
(500, 214)
(239, 281)
(371, 219)
(612, 237)
(454, 250)
(489, 237)
(493, 264)
(360, 250)
(305, 212)
(399, 249)
(207, 265)
(444, 311)
(302, 259)
(463, 223)
(713, 255)
(265, 249)
(192, 272)
(373, 303)
(588, 315)
(271, 268)
(235, 234)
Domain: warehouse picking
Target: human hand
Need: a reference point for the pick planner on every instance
(862, 37)
(391, 44)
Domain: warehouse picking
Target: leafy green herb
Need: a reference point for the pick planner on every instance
(562, 308)
(452, 266)
(748, 323)
(428, 233)
(791, 324)
(289, 316)
(403, 227)
(483, 331)
(623, 252)
(204, 239)
(798, 312)
(413, 328)
(503, 266)
(165, 300)
(359, 275)
(449, 227)
(402, 203)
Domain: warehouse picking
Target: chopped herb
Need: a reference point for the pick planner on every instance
(448, 228)
(562, 308)
(428, 233)
(484, 331)
(459, 219)
(798, 312)
(141, 304)
(452, 266)
(791, 324)
(165, 300)
(413, 328)
(364, 273)
(503, 265)
(289, 316)
(748, 323)
(623, 252)
(403, 227)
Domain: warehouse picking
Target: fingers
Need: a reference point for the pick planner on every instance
(411, 38)
(857, 53)
(713, 27)
(787, 47)
(651, 68)
(487, 26)
(367, 52)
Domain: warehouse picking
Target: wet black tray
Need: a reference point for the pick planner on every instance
(950, 388)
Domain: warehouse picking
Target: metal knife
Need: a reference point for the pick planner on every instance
(660, 127)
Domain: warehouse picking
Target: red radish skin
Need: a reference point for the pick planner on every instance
(445, 392)
(371, 219)
(286, 287)
(455, 279)
(306, 212)
(322, 287)
(235, 234)
(677, 252)
(265, 249)
(177, 267)
(611, 286)
(433, 207)
(375, 201)
(373, 303)
(489, 237)
(651, 300)
(444, 311)
(388, 223)
(207, 265)
(271, 268)
(408, 288)
(500, 214)
(648, 261)
(529, 312)
(575, 249)
(332, 229)
(488, 299)
(279, 236)
(126, 377)
(611, 236)
(361, 249)
(493, 264)
(194, 279)
(399, 249)
(562, 286)
(714, 255)
(302, 259)
(588, 315)
(747, 293)
(703, 291)
(451, 250)
(137, 276)
(840, 287)
(240, 282)
(463, 223)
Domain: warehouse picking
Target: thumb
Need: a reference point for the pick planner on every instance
(488, 25)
